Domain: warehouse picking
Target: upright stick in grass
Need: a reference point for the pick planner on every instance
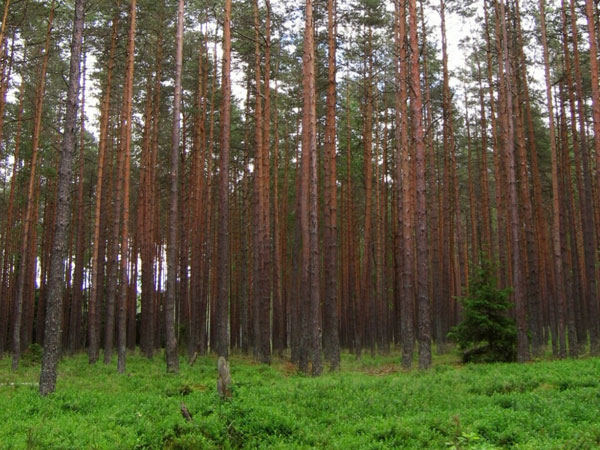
(224, 378)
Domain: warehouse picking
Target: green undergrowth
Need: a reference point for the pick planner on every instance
(369, 404)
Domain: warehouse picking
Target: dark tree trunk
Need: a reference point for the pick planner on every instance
(126, 151)
(9, 244)
(222, 301)
(172, 246)
(39, 100)
(310, 346)
(591, 14)
(406, 196)
(77, 289)
(559, 280)
(97, 279)
(331, 342)
(506, 82)
(56, 279)
(423, 305)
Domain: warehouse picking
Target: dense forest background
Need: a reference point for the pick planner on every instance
(340, 192)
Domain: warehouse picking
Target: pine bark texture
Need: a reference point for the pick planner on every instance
(331, 344)
(423, 303)
(223, 275)
(31, 204)
(173, 241)
(52, 334)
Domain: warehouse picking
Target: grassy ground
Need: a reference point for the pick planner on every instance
(369, 404)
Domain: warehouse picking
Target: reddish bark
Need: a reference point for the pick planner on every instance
(223, 275)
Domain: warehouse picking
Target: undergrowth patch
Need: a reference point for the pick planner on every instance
(369, 404)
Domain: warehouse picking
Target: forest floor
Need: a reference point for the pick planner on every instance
(369, 404)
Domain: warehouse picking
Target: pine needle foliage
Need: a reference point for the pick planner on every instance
(486, 333)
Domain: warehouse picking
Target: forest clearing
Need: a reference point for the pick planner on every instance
(369, 404)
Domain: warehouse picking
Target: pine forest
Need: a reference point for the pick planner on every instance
(298, 180)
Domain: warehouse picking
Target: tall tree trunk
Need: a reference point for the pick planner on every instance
(144, 218)
(223, 275)
(475, 240)
(559, 283)
(522, 113)
(406, 208)
(29, 291)
(96, 286)
(172, 245)
(126, 151)
(591, 14)
(500, 241)
(257, 286)
(423, 305)
(308, 206)
(569, 221)
(112, 302)
(331, 341)
(37, 126)
(56, 280)
(487, 246)
(366, 330)
(262, 269)
(9, 244)
(198, 256)
(451, 218)
(278, 331)
(582, 160)
(77, 288)
(506, 81)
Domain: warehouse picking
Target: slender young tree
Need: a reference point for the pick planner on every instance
(77, 291)
(96, 290)
(506, 80)
(197, 310)
(172, 249)
(331, 341)
(52, 332)
(591, 15)
(8, 229)
(264, 341)
(559, 282)
(366, 263)
(423, 305)
(126, 151)
(31, 188)
(222, 301)
(262, 260)
(405, 195)
(310, 351)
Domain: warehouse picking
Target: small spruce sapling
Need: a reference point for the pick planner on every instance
(486, 333)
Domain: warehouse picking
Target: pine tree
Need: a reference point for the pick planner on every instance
(52, 334)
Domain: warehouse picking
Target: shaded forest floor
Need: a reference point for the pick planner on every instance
(369, 404)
